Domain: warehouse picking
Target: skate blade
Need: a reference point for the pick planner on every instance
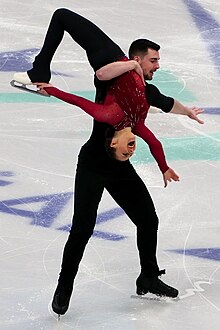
(152, 297)
(24, 87)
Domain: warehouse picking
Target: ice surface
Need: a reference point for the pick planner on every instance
(40, 141)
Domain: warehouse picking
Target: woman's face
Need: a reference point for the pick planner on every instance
(124, 143)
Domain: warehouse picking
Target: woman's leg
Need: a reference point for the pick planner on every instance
(99, 48)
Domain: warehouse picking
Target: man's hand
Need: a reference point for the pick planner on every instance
(170, 175)
(139, 71)
(180, 109)
(194, 112)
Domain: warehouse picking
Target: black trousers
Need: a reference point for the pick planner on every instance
(99, 48)
(126, 187)
(131, 194)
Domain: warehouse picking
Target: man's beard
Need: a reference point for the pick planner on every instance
(146, 77)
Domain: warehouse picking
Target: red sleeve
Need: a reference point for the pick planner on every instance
(154, 144)
(109, 113)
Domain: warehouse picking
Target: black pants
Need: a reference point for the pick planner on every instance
(126, 187)
(131, 194)
(100, 49)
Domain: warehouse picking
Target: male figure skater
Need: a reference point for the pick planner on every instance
(95, 170)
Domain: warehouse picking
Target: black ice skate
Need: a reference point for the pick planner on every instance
(61, 300)
(154, 285)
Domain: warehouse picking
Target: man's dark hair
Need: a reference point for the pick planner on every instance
(109, 133)
(140, 46)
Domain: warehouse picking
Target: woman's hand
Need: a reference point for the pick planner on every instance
(41, 87)
(170, 175)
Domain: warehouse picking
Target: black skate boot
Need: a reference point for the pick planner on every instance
(155, 285)
(61, 300)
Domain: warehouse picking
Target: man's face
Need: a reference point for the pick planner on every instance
(149, 63)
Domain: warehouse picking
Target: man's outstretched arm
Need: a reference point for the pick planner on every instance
(192, 112)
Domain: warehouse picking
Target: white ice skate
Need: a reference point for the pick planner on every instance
(21, 80)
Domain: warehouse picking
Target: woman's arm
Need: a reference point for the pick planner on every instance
(156, 150)
(109, 112)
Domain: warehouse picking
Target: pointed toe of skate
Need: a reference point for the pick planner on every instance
(22, 78)
(61, 300)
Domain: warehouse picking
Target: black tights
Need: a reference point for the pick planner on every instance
(100, 49)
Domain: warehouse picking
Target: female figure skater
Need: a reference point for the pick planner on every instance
(127, 121)
(95, 170)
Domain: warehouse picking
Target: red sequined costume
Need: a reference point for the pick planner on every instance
(125, 106)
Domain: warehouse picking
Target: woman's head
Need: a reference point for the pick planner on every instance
(120, 145)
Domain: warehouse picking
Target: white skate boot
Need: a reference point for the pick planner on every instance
(22, 78)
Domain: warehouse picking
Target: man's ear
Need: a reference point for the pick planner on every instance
(137, 58)
(114, 142)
